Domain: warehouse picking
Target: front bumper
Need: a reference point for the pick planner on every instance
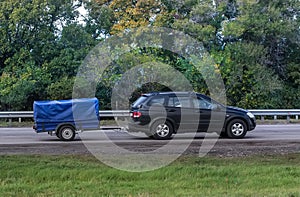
(252, 124)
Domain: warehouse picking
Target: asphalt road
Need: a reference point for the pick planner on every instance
(265, 139)
(28, 136)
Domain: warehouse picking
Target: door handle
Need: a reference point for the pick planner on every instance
(171, 110)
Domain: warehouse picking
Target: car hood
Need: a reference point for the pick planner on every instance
(235, 109)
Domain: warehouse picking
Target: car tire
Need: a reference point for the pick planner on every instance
(236, 129)
(57, 135)
(66, 133)
(149, 134)
(161, 130)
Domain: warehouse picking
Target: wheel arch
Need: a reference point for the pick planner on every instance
(172, 122)
(64, 124)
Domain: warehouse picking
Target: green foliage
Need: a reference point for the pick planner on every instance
(293, 73)
(255, 45)
(18, 89)
(61, 89)
(42, 45)
(100, 20)
(248, 83)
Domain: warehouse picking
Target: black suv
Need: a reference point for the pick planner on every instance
(161, 114)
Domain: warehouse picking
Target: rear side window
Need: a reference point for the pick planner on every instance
(139, 101)
(157, 100)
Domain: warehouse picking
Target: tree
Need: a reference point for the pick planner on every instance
(41, 43)
(255, 45)
(61, 89)
(133, 14)
(100, 19)
(267, 31)
(273, 25)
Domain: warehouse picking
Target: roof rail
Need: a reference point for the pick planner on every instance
(154, 93)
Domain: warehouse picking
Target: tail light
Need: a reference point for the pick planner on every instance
(136, 114)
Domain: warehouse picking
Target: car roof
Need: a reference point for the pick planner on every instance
(172, 93)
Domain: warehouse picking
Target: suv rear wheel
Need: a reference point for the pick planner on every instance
(161, 130)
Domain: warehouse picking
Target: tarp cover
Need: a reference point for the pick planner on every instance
(82, 113)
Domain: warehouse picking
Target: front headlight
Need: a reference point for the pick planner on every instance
(250, 115)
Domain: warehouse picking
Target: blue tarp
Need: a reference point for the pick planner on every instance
(81, 113)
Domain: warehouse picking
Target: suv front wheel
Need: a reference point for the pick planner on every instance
(161, 130)
(236, 129)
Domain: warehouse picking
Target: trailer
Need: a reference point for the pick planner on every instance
(66, 118)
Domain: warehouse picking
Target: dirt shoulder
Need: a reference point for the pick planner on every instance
(221, 148)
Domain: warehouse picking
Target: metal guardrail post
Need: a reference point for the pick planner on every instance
(10, 121)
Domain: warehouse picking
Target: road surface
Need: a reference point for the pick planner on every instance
(265, 139)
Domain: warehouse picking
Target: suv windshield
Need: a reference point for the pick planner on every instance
(139, 101)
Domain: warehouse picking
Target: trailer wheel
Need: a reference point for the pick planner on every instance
(66, 133)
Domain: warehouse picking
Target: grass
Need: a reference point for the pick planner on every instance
(188, 176)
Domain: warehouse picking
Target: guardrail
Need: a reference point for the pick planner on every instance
(262, 113)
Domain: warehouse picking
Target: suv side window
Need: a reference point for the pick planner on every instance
(202, 103)
(179, 102)
(173, 102)
(157, 100)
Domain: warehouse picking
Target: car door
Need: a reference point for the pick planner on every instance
(180, 110)
(202, 109)
(211, 113)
